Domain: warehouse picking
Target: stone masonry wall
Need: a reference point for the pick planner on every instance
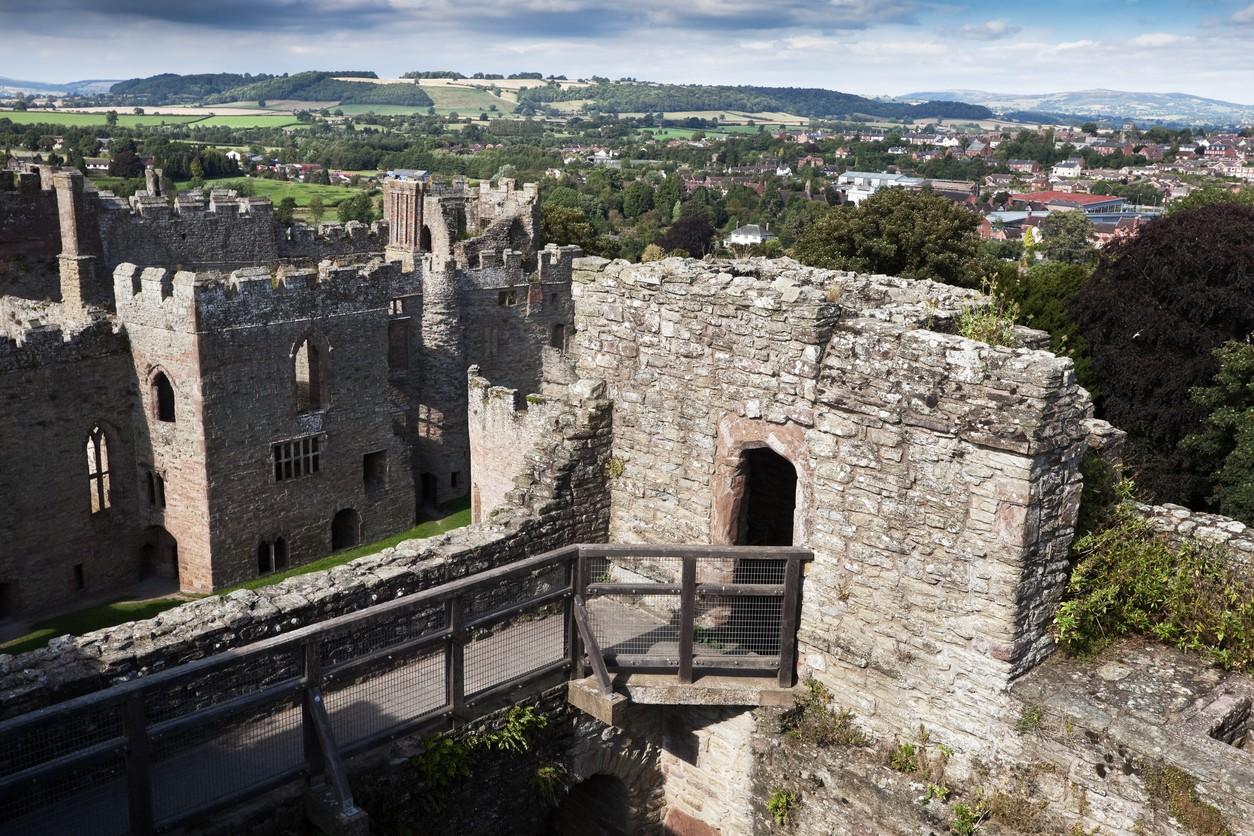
(560, 500)
(938, 477)
(55, 385)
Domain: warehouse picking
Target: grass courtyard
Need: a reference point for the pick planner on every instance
(452, 516)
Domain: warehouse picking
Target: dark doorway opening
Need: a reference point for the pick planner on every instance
(159, 555)
(345, 529)
(429, 490)
(424, 239)
(598, 806)
(770, 499)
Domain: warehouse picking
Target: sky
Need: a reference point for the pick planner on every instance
(871, 47)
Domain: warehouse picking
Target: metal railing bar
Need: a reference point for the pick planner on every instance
(741, 590)
(670, 663)
(634, 589)
(427, 722)
(82, 757)
(514, 609)
(235, 705)
(405, 648)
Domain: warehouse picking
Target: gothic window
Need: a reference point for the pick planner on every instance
(98, 469)
(162, 398)
(310, 366)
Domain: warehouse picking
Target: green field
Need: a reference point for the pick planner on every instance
(125, 120)
(380, 109)
(260, 121)
(465, 100)
(276, 190)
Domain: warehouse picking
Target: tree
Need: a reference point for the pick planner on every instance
(125, 161)
(359, 207)
(1043, 293)
(917, 235)
(111, 118)
(1208, 195)
(1066, 238)
(1156, 308)
(1225, 444)
(566, 225)
(316, 209)
(285, 212)
(693, 234)
(637, 199)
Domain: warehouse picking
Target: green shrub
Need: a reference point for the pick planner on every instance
(992, 323)
(812, 719)
(1176, 790)
(1128, 580)
(967, 818)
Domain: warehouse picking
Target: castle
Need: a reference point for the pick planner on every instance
(195, 391)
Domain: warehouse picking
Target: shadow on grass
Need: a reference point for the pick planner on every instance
(453, 515)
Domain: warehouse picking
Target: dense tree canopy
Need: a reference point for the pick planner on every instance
(918, 235)
(1226, 440)
(1067, 238)
(1153, 313)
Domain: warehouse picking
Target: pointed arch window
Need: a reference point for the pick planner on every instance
(162, 398)
(98, 469)
(310, 368)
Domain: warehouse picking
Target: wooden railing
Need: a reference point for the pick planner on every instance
(161, 750)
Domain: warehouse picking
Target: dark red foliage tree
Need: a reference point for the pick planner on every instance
(693, 234)
(1153, 314)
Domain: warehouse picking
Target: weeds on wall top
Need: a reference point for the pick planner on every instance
(993, 322)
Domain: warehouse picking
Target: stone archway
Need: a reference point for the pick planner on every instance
(626, 771)
(729, 481)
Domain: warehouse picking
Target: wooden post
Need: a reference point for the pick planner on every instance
(687, 617)
(315, 763)
(455, 660)
(138, 765)
(594, 650)
(578, 584)
(789, 619)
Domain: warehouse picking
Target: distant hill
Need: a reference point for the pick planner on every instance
(636, 97)
(1111, 104)
(86, 87)
(311, 86)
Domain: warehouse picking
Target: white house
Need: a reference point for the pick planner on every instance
(1068, 168)
(857, 186)
(748, 235)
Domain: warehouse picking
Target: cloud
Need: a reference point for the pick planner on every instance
(1245, 16)
(1160, 39)
(991, 30)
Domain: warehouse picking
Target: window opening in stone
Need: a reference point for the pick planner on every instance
(557, 337)
(98, 469)
(310, 377)
(163, 398)
(80, 579)
(374, 470)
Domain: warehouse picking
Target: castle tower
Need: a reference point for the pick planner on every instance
(402, 209)
(443, 439)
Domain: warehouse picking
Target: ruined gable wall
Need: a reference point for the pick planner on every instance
(563, 502)
(54, 385)
(938, 477)
(30, 237)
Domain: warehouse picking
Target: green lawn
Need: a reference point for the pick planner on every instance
(125, 120)
(84, 621)
(465, 100)
(455, 515)
(276, 190)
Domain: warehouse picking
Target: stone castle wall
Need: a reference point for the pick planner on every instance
(938, 477)
(83, 378)
(563, 502)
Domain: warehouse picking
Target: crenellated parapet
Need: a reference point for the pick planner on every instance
(254, 296)
(46, 345)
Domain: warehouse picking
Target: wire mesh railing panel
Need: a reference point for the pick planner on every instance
(375, 702)
(369, 637)
(60, 734)
(505, 592)
(753, 570)
(528, 642)
(91, 799)
(635, 625)
(736, 625)
(221, 683)
(637, 570)
(225, 759)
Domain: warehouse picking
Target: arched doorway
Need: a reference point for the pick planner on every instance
(430, 491)
(345, 529)
(599, 806)
(159, 554)
(424, 239)
(769, 499)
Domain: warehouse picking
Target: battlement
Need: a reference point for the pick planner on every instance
(190, 203)
(43, 345)
(213, 300)
(556, 264)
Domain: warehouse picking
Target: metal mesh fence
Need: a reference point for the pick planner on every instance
(223, 682)
(520, 645)
(731, 625)
(376, 702)
(225, 759)
(497, 595)
(60, 734)
(636, 625)
(91, 799)
(380, 634)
